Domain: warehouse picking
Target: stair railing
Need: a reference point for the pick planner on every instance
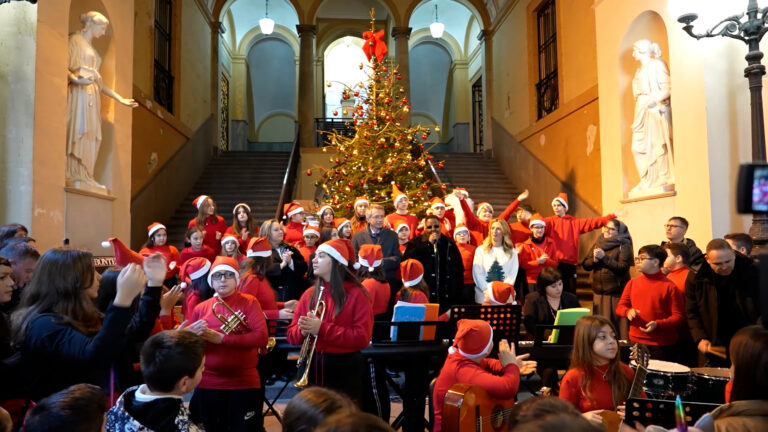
(289, 180)
(434, 173)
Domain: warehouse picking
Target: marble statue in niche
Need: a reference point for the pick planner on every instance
(84, 102)
(652, 122)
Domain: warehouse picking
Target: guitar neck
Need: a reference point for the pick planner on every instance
(637, 384)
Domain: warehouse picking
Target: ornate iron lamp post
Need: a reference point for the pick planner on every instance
(750, 31)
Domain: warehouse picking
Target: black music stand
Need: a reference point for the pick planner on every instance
(662, 412)
(505, 320)
(278, 329)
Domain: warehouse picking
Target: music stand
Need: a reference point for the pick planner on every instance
(662, 412)
(278, 328)
(505, 320)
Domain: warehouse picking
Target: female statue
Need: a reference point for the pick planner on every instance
(652, 125)
(83, 100)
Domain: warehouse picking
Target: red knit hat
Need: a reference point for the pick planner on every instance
(312, 229)
(292, 208)
(228, 237)
(224, 263)
(153, 227)
(397, 194)
(123, 254)
(324, 207)
(198, 202)
(340, 222)
(460, 228)
(500, 293)
(436, 202)
(194, 268)
(370, 255)
(537, 218)
(339, 249)
(259, 247)
(360, 200)
(247, 208)
(412, 272)
(484, 204)
(562, 198)
(474, 338)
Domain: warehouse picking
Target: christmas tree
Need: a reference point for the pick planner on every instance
(382, 151)
(495, 273)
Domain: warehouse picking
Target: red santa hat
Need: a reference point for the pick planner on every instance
(500, 293)
(400, 225)
(259, 247)
(123, 254)
(247, 208)
(228, 237)
(537, 219)
(292, 208)
(341, 222)
(194, 268)
(153, 227)
(484, 204)
(460, 228)
(224, 263)
(562, 198)
(412, 272)
(474, 338)
(436, 202)
(339, 249)
(360, 200)
(397, 194)
(462, 190)
(324, 207)
(312, 229)
(370, 255)
(198, 202)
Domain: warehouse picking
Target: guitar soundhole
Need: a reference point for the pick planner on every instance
(497, 417)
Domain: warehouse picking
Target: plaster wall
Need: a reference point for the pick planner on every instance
(271, 75)
(194, 96)
(710, 115)
(18, 23)
(312, 158)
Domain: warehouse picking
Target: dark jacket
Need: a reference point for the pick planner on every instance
(139, 329)
(166, 414)
(536, 310)
(701, 300)
(289, 284)
(697, 257)
(443, 270)
(390, 249)
(611, 273)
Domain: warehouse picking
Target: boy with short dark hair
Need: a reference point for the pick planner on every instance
(676, 268)
(172, 365)
(653, 305)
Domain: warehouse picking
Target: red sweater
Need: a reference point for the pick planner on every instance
(565, 231)
(396, 219)
(379, 294)
(294, 232)
(211, 228)
(530, 253)
(231, 364)
(347, 332)
(678, 278)
(467, 252)
(171, 255)
(500, 383)
(657, 299)
(306, 252)
(520, 232)
(417, 296)
(475, 224)
(599, 388)
(204, 252)
(262, 290)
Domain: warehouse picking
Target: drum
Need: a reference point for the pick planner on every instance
(709, 384)
(665, 380)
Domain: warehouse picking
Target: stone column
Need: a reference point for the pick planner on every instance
(306, 103)
(402, 58)
(217, 29)
(485, 38)
(462, 106)
(319, 85)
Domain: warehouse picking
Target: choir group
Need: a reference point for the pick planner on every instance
(135, 339)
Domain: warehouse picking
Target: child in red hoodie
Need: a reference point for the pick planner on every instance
(653, 305)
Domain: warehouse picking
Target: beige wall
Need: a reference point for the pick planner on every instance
(710, 115)
(311, 159)
(194, 97)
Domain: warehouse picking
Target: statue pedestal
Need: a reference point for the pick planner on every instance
(651, 192)
(88, 187)
(87, 218)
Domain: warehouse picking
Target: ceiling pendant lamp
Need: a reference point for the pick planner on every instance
(267, 24)
(436, 28)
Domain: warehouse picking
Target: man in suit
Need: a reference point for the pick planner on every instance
(375, 233)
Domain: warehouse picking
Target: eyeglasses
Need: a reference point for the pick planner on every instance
(433, 226)
(642, 258)
(218, 276)
(668, 226)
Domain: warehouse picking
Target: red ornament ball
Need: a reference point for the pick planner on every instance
(399, 77)
(418, 194)
(385, 69)
(309, 172)
(440, 165)
(421, 146)
(335, 112)
(424, 187)
(357, 93)
(423, 136)
(349, 206)
(444, 187)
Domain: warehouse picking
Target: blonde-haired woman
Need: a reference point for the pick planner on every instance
(495, 259)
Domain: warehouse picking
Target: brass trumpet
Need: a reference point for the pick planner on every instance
(235, 323)
(310, 343)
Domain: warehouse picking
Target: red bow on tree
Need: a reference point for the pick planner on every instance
(374, 45)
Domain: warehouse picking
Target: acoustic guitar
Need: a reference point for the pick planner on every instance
(469, 408)
(640, 354)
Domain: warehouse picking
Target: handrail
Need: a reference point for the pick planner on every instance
(289, 179)
(434, 172)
